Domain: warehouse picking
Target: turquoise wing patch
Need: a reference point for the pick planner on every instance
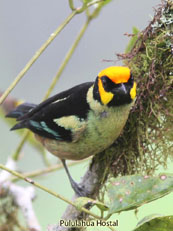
(42, 126)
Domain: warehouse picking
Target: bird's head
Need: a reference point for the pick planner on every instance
(115, 86)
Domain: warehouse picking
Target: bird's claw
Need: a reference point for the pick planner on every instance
(80, 191)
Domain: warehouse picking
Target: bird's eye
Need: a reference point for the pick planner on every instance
(131, 80)
(108, 84)
(131, 77)
(104, 81)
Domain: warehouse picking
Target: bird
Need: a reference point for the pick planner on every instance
(83, 120)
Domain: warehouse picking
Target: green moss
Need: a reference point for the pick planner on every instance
(147, 139)
(148, 136)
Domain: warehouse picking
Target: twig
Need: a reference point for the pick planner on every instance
(92, 182)
(48, 191)
(36, 56)
(47, 170)
(54, 81)
(16, 153)
(67, 57)
(45, 45)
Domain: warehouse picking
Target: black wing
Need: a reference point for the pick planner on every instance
(41, 118)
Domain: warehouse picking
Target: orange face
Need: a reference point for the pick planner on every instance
(116, 74)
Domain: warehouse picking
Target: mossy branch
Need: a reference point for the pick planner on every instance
(137, 150)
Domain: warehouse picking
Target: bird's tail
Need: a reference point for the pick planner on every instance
(18, 113)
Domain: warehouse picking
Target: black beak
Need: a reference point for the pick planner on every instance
(121, 90)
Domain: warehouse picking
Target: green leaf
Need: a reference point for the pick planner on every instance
(132, 40)
(155, 223)
(130, 192)
(82, 201)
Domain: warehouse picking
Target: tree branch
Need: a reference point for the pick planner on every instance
(92, 181)
(22, 196)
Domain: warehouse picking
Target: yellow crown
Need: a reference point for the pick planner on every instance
(116, 74)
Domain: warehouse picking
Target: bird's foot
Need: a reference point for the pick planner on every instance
(80, 191)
